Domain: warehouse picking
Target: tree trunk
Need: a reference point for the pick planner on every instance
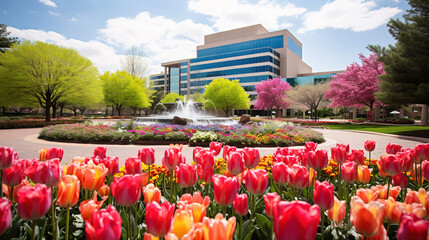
(54, 111)
(119, 109)
(424, 117)
(61, 110)
(75, 112)
(315, 114)
(47, 112)
(135, 112)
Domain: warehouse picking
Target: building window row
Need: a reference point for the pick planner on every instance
(266, 68)
(241, 80)
(157, 77)
(236, 62)
(235, 54)
(273, 42)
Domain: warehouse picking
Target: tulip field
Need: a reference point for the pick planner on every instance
(219, 192)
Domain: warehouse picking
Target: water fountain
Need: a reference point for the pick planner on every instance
(187, 111)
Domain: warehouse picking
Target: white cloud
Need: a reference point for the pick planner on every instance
(161, 38)
(102, 55)
(4, 12)
(73, 19)
(356, 15)
(48, 3)
(229, 14)
(54, 13)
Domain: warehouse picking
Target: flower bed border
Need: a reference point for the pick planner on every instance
(35, 123)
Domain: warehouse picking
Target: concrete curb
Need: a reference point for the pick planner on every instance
(411, 138)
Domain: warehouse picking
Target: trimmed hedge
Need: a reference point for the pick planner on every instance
(36, 123)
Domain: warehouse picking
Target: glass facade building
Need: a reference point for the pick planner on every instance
(251, 54)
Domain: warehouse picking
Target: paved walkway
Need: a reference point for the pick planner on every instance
(26, 143)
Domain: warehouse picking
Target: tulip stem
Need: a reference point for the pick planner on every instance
(272, 229)
(148, 175)
(339, 183)
(33, 227)
(421, 175)
(171, 185)
(54, 233)
(322, 224)
(241, 228)
(388, 186)
(224, 211)
(67, 223)
(388, 227)
(369, 156)
(129, 223)
(1, 183)
(86, 194)
(252, 201)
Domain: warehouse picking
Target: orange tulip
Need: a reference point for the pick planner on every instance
(87, 207)
(104, 190)
(196, 204)
(367, 195)
(182, 222)
(338, 211)
(422, 197)
(382, 191)
(196, 233)
(68, 191)
(366, 218)
(151, 193)
(218, 228)
(415, 208)
(363, 174)
(392, 210)
(93, 177)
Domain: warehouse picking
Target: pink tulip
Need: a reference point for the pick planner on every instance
(104, 224)
(251, 157)
(225, 189)
(197, 152)
(256, 181)
(280, 173)
(425, 168)
(34, 201)
(100, 152)
(14, 174)
(7, 156)
(5, 214)
(206, 174)
(323, 195)
(349, 172)
(172, 158)
(147, 156)
(226, 150)
(339, 154)
(407, 161)
(235, 163)
(158, 218)
(126, 189)
(369, 145)
(392, 148)
(186, 175)
(345, 146)
(282, 151)
(112, 164)
(48, 172)
(391, 164)
(215, 147)
(318, 160)
(133, 165)
(422, 152)
(271, 200)
(241, 205)
(310, 146)
(298, 176)
(356, 156)
(412, 227)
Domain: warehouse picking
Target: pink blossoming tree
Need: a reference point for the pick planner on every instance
(357, 85)
(272, 95)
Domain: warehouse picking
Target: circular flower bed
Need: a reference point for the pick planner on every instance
(269, 134)
(290, 194)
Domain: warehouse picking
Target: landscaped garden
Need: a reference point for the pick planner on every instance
(289, 194)
(266, 134)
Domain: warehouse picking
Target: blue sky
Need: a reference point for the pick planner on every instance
(332, 32)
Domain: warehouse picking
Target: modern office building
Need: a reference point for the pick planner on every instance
(251, 54)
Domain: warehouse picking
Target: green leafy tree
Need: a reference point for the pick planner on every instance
(6, 41)
(196, 97)
(406, 62)
(226, 94)
(171, 98)
(120, 89)
(141, 98)
(45, 73)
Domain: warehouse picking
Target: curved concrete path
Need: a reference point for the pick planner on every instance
(26, 143)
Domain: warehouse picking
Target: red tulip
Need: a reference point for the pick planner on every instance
(112, 164)
(391, 164)
(425, 169)
(392, 148)
(318, 160)
(241, 205)
(47, 172)
(356, 156)
(235, 163)
(100, 152)
(422, 152)
(339, 154)
(105, 224)
(323, 195)
(256, 181)
(279, 170)
(369, 145)
(14, 174)
(407, 161)
(310, 146)
(34, 202)
(251, 157)
(206, 174)
(133, 165)
(349, 172)
(225, 189)
(226, 150)
(51, 153)
(271, 200)
(147, 156)
(5, 214)
(197, 152)
(206, 159)
(186, 175)
(412, 227)
(298, 176)
(172, 158)
(296, 220)
(158, 218)
(400, 180)
(7, 156)
(345, 146)
(215, 147)
(290, 160)
(126, 189)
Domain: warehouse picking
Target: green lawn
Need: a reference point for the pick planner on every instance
(417, 131)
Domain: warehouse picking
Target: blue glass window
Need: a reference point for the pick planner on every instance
(183, 85)
(235, 63)
(157, 77)
(183, 64)
(294, 46)
(159, 82)
(183, 78)
(174, 80)
(273, 42)
(235, 54)
(225, 73)
(183, 70)
(309, 79)
(249, 88)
